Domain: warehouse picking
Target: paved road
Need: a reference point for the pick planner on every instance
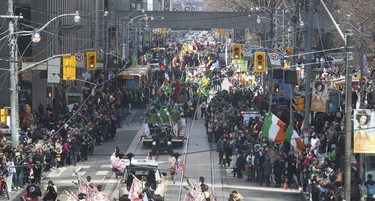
(200, 161)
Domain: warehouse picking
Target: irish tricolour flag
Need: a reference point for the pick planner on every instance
(293, 137)
(273, 128)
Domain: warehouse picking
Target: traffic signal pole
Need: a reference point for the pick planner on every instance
(306, 120)
(348, 113)
(293, 60)
(13, 69)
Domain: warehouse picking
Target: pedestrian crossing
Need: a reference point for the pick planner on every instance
(82, 170)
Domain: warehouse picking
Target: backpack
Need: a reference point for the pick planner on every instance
(371, 189)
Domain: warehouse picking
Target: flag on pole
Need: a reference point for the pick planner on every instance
(145, 198)
(293, 137)
(135, 189)
(273, 128)
(166, 78)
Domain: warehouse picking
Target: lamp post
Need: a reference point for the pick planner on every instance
(125, 45)
(131, 22)
(13, 68)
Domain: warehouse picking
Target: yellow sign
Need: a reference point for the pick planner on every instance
(3, 115)
(69, 68)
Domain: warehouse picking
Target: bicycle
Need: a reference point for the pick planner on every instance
(4, 188)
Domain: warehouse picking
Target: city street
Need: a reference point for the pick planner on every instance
(200, 161)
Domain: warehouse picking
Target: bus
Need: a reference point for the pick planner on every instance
(135, 77)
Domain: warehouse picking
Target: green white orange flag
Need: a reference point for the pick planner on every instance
(293, 137)
(273, 128)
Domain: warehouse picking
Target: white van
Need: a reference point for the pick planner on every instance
(146, 169)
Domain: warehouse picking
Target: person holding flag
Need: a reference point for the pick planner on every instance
(147, 193)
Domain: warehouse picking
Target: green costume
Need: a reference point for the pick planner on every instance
(175, 115)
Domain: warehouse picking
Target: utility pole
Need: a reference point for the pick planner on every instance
(13, 69)
(306, 121)
(96, 25)
(348, 112)
(295, 18)
(362, 62)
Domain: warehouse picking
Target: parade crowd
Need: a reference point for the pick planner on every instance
(50, 140)
(318, 169)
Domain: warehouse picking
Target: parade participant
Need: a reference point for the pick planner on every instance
(150, 156)
(89, 182)
(50, 191)
(235, 196)
(148, 192)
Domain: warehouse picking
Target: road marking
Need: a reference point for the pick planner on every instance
(80, 173)
(101, 173)
(56, 173)
(106, 166)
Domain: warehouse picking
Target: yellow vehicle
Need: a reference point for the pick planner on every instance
(135, 77)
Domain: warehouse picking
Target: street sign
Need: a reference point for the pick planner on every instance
(246, 50)
(80, 60)
(259, 50)
(274, 59)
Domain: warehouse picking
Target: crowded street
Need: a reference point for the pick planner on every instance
(186, 100)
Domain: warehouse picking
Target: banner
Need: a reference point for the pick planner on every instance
(240, 65)
(364, 132)
(319, 97)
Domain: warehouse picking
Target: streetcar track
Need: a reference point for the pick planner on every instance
(131, 151)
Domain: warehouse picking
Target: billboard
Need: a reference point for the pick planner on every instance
(363, 131)
(319, 97)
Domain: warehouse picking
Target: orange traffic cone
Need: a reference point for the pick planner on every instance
(285, 186)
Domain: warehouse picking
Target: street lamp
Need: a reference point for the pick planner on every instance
(362, 55)
(14, 115)
(125, 50)
(35, 37)
(131, 23)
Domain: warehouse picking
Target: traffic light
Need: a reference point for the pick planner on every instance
(298, 104)
(69, 68)
(236, 52)
(49, 92)
(277, 88)
(90, 60)
(260, 62)
(288, 50)
(286, 63)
